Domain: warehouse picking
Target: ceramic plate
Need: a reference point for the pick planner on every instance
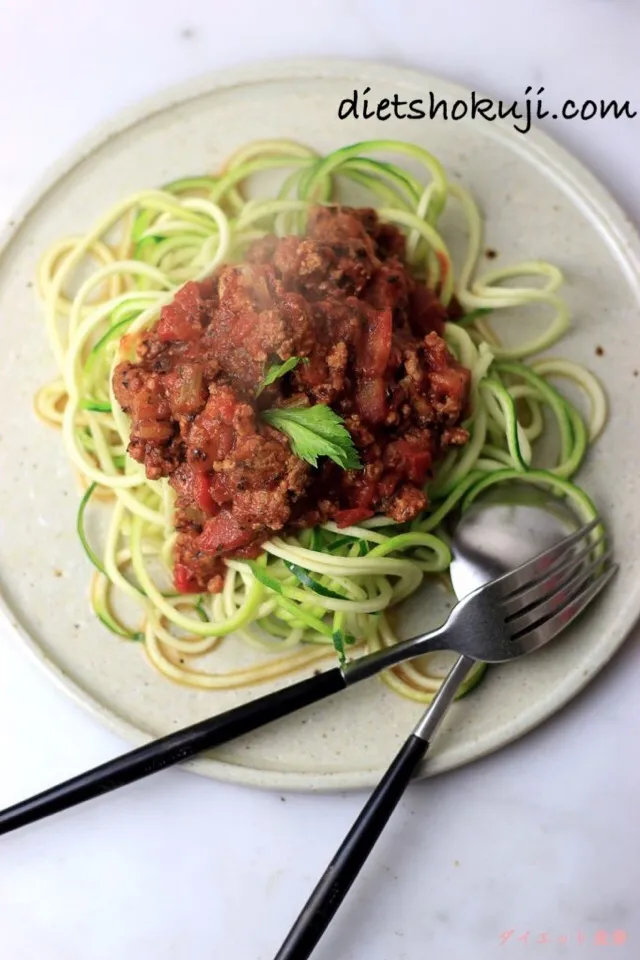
(537, 202)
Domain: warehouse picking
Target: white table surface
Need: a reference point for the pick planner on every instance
(542, 837)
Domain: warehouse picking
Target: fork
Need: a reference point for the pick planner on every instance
(503, 619)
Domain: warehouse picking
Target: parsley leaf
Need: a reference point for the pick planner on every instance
(314, 432)
(277, 370)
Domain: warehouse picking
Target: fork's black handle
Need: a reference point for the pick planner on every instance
(348, 861)
(172, 749)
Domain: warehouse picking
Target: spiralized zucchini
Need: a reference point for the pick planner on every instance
(325, 587)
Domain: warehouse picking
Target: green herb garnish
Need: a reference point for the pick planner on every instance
(277, 370)
(314, 432)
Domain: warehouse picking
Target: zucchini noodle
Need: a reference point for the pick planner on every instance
(327, 587)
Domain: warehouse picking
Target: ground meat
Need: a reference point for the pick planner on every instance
(343, 299)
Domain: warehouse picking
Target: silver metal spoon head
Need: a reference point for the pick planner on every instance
(502, 531)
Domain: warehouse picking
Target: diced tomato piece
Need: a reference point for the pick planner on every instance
(395, 358)
(219, 489)
(365, 493)
(450, 384)
(376, 346)
(409, 459)
(184, 580)
(211, 434)
(223, 534)
(180, 319)
(175, 324)
(416, 461)
(347, 518)
(202, 493)
(371, 400)
(388, 484)
(221, 405)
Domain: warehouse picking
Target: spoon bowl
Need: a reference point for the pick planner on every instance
(502, 531)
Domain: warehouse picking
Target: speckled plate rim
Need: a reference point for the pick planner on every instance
(585, 191)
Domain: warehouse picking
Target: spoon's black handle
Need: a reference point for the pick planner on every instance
(172, 749)
(323, 903)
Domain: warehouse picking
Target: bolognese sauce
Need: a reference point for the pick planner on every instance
(369, 337)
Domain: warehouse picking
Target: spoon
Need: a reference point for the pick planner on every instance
(492, 537)
(504, 530)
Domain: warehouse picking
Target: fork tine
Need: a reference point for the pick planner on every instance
(558, 596)
(521, 602)
(529, 640)
(542, 564)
